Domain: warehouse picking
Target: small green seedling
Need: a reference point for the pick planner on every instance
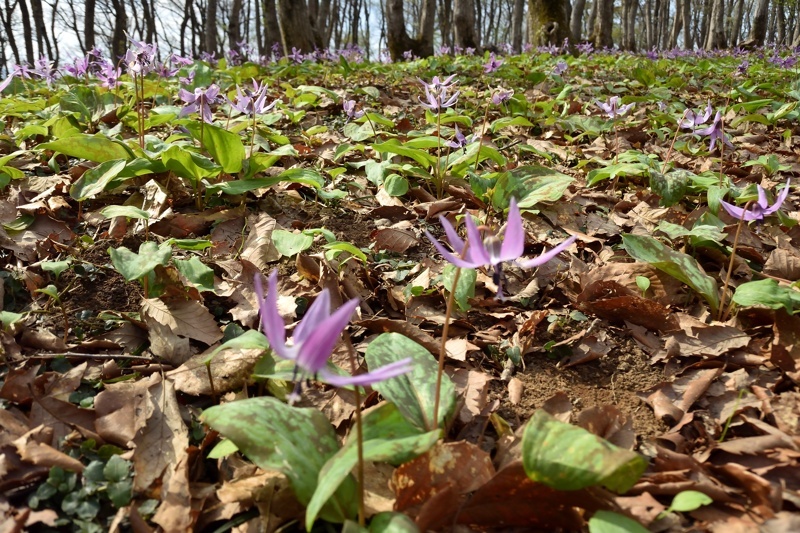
(52, 292)
(686, 501)
(643, 282)
(771, 164)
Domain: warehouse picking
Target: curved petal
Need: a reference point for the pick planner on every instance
(514, 236)
(736, 212)
(319, 311)
(383, 373)
(317, 348)
(456, 242)
(449, 257)
(779, 200)
(547, 256)
(476, 252)
(271, 321)
(762, 197)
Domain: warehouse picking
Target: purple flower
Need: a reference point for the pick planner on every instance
(493, 64)
(692, 120)
(109, 75)
(436, 93)
(501, 96)
(200, 101)
(743, 66)
(350, 110)
(315, 337)
(560, 68)
(252, 101)
(6, 82)
(714, 132)
(613, 109)
(760, 209)
(180, 61)
(491, 250)
(460, 140)
(79, 67)
(139, 57)
(296, 55)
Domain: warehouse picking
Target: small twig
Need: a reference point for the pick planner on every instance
(101, 356)
(720, 314)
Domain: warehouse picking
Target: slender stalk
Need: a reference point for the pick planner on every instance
(720, 314)
(439, 180)
(359, 437)
(672, 144)
(443, 348)
(480, 137)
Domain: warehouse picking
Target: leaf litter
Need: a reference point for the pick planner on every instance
(712, 405)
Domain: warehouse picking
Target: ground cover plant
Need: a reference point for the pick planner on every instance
(545, 291)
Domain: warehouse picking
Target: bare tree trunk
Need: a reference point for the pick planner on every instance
(6, 18)
(677, 22)
(397, 39)
(149, 20)
(601, 33)
(210, 41)
(548, 22)
(26, 28)
(446, 22)
(705, 23)
(686, 18)
(234, 24)
(88, 24)
(118, 40)
(716, 30)
(663, 24)
(41, 29)
(576, 20)
(758, 31)
(295, 25)
(516, 24)
(464, 24)
(629, 12)
(272, 32)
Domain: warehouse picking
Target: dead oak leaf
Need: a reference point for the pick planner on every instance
(187, 318)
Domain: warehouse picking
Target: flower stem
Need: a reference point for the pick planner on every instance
(720, 314)
(439, 180)
(672, 144)
(480, 137)
(359, 436)
(442, 347)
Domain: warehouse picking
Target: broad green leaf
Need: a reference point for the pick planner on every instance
(680, 266)
(530, 185)
(294, 441)
(385, 421)
(413, 393)
(264, 160)
(395, 185)
(360, 132)
(289, 243)
(505, 122)
(671, 187)
(135, 266)
(120, 492)
(98, 148)
(116, 469)
(700, 232)
(56, 267)
(198, 273)
(189, 165)
(7, 318)
(338, 467)
(466, 284)
(50, 291)
(689, 500)
(393, 146)
(20, 223)
(302, 176)
(767, 293)
(225, 147)
(567, 457)
(194, 245)
(249, 340)
(95, 180)
(610, 522)
(111, 211)
(335, 248)
(612, 171)
(224, 448)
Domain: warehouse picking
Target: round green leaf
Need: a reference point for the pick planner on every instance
(128, 211)
(289, 243)
(608, 522)
(689, 500)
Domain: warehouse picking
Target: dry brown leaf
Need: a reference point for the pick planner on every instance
(32, 449)
(258, 247)
(174, 513)
(187, 318)
(165, 344)
(230, 369)
(786, 344)
(394, 240)
(671, 400)
(121, 411)
(472, 386)
(705, 341)
(161, 445)
(610, 423)
(515, 389)
(560, 406)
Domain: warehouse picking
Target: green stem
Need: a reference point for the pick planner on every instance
(442, 347)
(439, 181)
(480, 137)
(359, 437)
(720, 314)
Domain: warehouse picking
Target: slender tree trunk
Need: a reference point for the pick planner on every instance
(118, 39)
(149, 20)
(516, 24)
(234, 24)
(272, 32)
(576, 20)
(397, 39)
(88, 24)
(716, 30)
(210, 41)
(758, 31)
(446, 22)
(27, 30)
(41, 29)
(677, 22)
(12, 42)
(601, 33)
(295, 25)
(464, 24)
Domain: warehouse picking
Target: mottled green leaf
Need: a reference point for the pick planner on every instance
(197, 272)
(294, 441)
(680, 266)
(95, 180)
(413, 393)
(225, 147)
(530, 185)
(98, 148)
(134, 266)
(609, 522)
(568, 457)
(767, 293)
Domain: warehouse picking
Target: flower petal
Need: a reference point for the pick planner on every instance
(476, 252)
(514, 236)
(316, 314)
(762, 197)
(547, 256)
(271, 321)
(779, 200)
(735, 212)
(383, 373)
(316, 349)
(448, 256)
